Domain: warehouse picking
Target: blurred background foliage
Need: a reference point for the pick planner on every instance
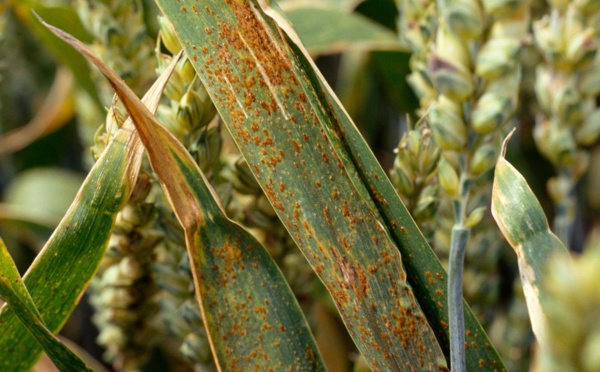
(51, 106)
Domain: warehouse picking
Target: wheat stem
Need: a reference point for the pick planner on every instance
(458, 243)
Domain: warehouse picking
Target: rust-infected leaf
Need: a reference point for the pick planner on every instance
(425, 273)
(259, 89)
(251, 316)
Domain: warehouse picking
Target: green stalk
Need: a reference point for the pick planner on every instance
(456, 259)
(458, 243)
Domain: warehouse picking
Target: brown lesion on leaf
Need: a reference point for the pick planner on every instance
(249, 99)
(209, 11)
(387, 257)
(297, 147)
(354, 276)
(267, 142)
(273, 196)
(335, 194)
(345, 244)
(429, 277)
(345, 210)
(340, 297)
(327, 215)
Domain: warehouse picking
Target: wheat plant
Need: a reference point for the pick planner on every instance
(236, 219)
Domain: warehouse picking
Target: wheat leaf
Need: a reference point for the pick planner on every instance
(524, 225)
(276, 118)
(13, 291)
(250, 313)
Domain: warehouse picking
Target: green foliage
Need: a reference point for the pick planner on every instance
(13, 291)
(249, 225)
(80, 241)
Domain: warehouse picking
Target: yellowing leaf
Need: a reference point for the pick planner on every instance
(523, 223)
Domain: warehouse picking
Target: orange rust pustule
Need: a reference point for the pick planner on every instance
(429, 277)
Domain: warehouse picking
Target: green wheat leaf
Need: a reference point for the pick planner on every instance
(13, 291)
(344, 31)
